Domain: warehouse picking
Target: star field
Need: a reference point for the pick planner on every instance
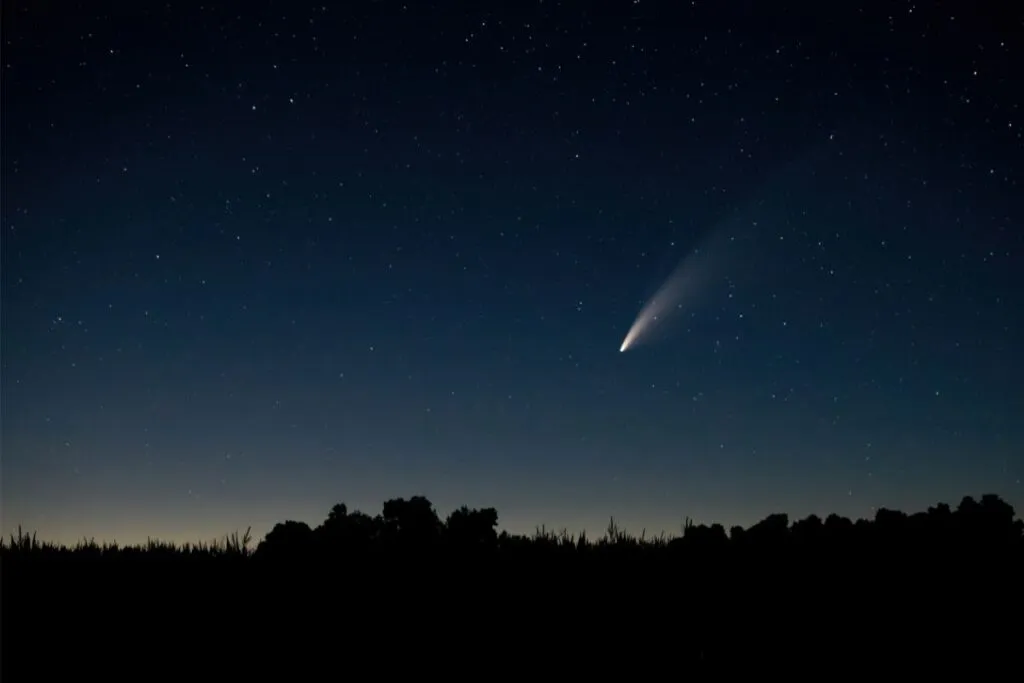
(260, 258)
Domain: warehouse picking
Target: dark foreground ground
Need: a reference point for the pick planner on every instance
(903, 596)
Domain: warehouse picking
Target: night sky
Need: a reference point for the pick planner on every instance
(259, 258)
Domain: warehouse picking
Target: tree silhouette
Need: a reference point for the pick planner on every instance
(808, 531)
(411, 523)
(286, 539)
(472, 529)
(772, 529)
(349, 531)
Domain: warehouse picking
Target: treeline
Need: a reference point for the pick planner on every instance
(413, 526)
(943, 583)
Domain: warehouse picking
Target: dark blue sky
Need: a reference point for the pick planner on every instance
(259, 258)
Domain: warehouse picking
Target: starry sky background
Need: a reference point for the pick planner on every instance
(262, 257)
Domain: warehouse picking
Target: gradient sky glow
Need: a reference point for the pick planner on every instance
(259, 258)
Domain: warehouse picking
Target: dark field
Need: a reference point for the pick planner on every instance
(405, 589)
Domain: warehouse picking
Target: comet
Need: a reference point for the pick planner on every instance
(679, 287)
(737, 252)
(681, 290)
